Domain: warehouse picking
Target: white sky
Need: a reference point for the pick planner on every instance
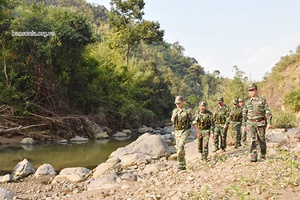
(252, 34)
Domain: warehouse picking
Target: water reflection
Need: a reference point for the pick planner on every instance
(60, 156)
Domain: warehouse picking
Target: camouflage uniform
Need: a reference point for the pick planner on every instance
(205, 123)
(182, 125)
(256, 116)
(221, 121)
(236, 122)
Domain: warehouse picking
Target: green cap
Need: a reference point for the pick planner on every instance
(235, 101)
(202, 104)
(240, 99)
(252, 86)
(220, 99)
(178, 99)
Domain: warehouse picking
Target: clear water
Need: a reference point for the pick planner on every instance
(60, 156)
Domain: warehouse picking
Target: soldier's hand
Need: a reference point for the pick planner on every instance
(269, 126)
(198, 135)
(244, 128)
(225, 126)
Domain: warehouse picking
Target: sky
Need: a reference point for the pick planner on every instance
(250, 34)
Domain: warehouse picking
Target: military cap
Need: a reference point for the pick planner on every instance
(202, 104)
(252, 86)
(240, 99)
(178, 99)
(235, 101)
(220, 99)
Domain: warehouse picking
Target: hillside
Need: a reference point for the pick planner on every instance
(284, 77)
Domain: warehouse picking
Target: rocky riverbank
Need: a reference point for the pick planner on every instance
(146, 169)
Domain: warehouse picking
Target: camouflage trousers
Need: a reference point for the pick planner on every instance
(257, 134)
(220, 135)
(202, 143)
(237, 133)
(181, 138)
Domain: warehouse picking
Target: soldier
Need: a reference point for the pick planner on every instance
(204, 121)
(256, 118)
(221, 121)
(182, 119)
(244, 133)
(236, 122)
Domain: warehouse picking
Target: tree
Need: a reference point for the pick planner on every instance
(48, 67)
(128, 26)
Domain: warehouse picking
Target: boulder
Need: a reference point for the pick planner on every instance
(28, 141)
(72, 174)
(102, 135)
(79, 139)
(44, 170)
(22, 169)
(6, 178)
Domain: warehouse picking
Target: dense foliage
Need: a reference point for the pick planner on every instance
(97, 62)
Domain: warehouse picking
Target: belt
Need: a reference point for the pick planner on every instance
(256, 120)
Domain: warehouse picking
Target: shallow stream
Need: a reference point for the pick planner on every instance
(60, 156)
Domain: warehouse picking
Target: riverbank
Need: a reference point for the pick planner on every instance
(228, 175)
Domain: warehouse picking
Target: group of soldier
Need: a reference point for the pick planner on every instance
(249, 118)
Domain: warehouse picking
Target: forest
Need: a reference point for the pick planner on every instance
(67, 65)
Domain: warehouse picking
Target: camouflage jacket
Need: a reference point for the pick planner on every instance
(221, 115)
(204, 120)
(236, 114)
(256, 110)
(183, 118)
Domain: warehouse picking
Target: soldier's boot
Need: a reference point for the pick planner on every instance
(253, 157)
(216, 149)
(181, 167)
(262, 157)
(204, 159)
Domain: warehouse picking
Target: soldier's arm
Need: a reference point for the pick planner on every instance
(174, 115)
(268, 115)
(194, 123)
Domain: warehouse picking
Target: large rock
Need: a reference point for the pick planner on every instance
(44, 170)
(72, 174)
(22, 169)
(276, 136)
(107, 167)
(152, 145)
(105, 182)
(5, 178)
(78, 139)
(27, 141)
(141, 151)
(102, 135)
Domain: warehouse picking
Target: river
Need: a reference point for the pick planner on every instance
(60, 156)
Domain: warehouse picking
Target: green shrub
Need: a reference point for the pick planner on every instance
(284, 120)
(291, 99)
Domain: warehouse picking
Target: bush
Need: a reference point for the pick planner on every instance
(284, 120)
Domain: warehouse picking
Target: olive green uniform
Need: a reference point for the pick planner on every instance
(205, 123)
(256, 116)
(182, 125)
(221, 118)
(236, 117)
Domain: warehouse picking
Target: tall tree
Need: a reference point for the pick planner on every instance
(129, 27)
